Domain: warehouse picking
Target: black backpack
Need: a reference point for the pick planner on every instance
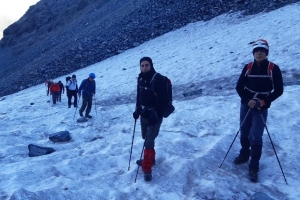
(168, 97)
(67, 79)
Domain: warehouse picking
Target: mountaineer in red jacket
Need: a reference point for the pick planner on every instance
(54, 91)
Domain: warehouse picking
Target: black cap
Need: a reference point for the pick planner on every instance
(73, 76)
(147, 59)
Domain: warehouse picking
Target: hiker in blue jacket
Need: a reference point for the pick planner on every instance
(259, 84)
(87, 89)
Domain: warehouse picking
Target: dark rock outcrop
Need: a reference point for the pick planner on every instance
(56, 37)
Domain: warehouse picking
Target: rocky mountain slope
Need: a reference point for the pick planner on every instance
(55, 37)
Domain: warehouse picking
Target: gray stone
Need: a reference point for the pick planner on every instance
(82, 119)
(62, 136)
(193, 93)
(35, 150)
(260, 196)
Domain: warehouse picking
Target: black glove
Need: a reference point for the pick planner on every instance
(259, 103)
(136, 114)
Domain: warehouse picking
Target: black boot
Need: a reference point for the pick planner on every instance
(254, 162)
(255, 157)
(244, 152)
(147, 176)
(253, 176)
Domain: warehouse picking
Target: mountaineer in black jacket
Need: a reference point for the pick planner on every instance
(259, 84)
(150, 106)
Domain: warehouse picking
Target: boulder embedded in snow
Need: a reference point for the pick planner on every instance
(193, 93)
(260, 196)
(35, 150)
(82, 119)
(61, 136)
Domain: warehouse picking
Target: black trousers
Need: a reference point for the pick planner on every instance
(59, 96)
(72, 93)
(152, 132)
(54, 97)
(86, 103)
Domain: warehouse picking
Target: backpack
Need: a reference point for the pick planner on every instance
(54, 87)
(270, 68)
(67, 79)
(168, 98)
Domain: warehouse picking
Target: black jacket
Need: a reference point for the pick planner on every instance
(146, 96)
(260, 84)
(62, 88)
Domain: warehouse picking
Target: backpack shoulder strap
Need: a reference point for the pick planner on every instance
(153, 80)
(249, 67)
(270, 69)
(153, 77)
(152, 86)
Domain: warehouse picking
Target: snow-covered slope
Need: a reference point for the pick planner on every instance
(192, 142)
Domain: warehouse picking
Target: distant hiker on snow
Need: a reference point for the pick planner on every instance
(61, 91)
(48, 83)
(72, 89)
(87, 89)
(259, 84)
(54, 90)
(150, 106)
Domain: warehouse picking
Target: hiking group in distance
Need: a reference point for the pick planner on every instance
(87, 90)
(259, 84)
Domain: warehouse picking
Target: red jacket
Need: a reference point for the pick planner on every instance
(54, 87)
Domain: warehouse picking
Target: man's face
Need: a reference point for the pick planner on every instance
(260, 54)
(145, 66)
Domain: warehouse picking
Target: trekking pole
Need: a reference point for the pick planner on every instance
(132, 144)
(235, 136)
(76, 108)
(273, 147)
(95, 105)
(137, 171)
